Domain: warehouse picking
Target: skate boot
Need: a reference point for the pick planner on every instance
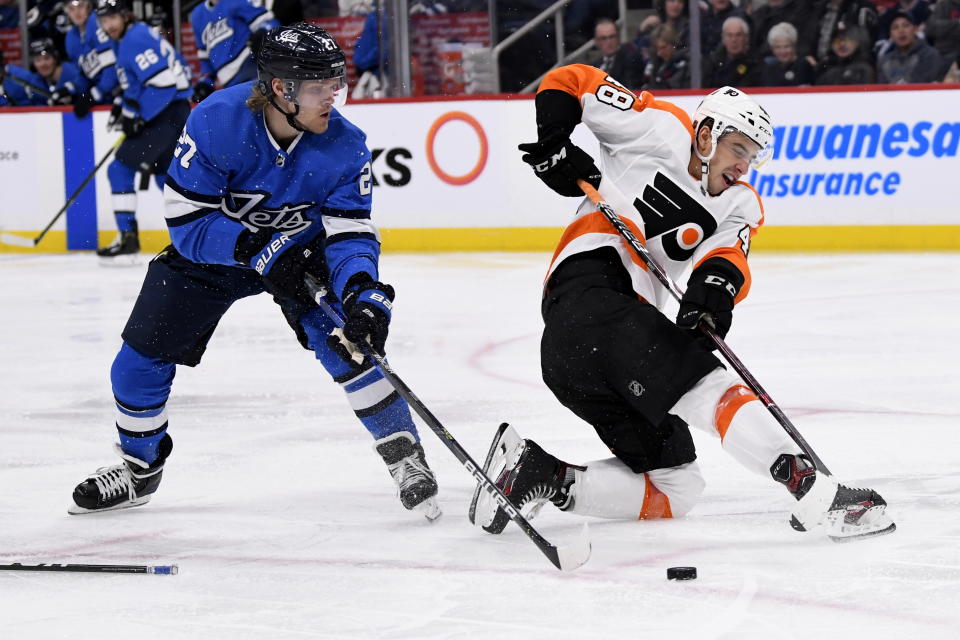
(527, 475)
(408, 466)
(127, 243)
(848, 513)
(125, 485)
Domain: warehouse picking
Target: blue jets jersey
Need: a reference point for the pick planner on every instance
(151, 73)
(71, 78)
(93, 52)
(15, 94)
(222, 32)
(228, 174)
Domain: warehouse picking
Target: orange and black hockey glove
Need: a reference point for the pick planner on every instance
(709, 297)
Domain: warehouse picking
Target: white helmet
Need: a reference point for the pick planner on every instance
(733, 110)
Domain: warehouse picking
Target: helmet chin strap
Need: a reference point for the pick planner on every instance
(290, 116)
(705, 162)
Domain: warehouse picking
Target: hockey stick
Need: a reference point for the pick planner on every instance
(29, 86)
(163, 570)
(20, 241)
(728, 354)
(565, 558)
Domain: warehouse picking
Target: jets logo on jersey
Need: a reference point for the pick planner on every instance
(245, 207)
(675, 216)
(216, 32)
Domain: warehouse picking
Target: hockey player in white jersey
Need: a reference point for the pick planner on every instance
(610, 355)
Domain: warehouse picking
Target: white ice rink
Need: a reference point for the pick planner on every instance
(284, 523)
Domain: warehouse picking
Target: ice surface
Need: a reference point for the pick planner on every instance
(284, 523)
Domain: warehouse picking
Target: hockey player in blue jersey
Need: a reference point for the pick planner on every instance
(224, 31)
(89, 47)
(151, 112)
(20, 87)
(61, 79)
(269, 184)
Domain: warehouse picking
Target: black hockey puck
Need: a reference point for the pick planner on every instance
(682, 573)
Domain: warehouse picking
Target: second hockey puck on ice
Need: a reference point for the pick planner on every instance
(682, 573)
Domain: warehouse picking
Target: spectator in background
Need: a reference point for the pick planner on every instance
(580, 18)
(848, 62)
(910, 59)
(918, 9)
(794, 12)
(712, 20)
(670, 12)
(667, 68)
(733, 63)
(943, 29)
(832, 15)
(9, 14)
(784, 68)
(623, 63)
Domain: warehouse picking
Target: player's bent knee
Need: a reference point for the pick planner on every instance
(682, 487)
(139, 380)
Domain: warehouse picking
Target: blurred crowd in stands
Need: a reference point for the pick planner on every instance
(744, 43)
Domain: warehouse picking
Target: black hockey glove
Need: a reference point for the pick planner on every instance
(82, 105)
(132, 126)
(709, 297)
(280, 261)
(116, 115)
(201, 91)
(367, 305)
(61, 97)
(560, 163)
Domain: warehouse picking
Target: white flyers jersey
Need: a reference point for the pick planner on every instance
(645, 147)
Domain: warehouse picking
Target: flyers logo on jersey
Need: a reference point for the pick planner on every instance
(673, 215)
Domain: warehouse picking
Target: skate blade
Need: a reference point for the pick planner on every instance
(124, 261)
(873, 523)
(504, 452)
(76, 510)
(430, 509)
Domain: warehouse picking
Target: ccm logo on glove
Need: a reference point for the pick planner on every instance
(721, 282)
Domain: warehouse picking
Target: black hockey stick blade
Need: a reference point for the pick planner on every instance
(565, 558)
(160, 570)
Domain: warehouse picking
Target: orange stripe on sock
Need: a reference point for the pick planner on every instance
(656, 504)
(730, 402)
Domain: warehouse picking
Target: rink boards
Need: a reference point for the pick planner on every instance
(851, 170)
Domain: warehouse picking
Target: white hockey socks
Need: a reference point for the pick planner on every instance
(720, 404)
(610, 489)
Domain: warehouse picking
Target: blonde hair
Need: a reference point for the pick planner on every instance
(257, 102)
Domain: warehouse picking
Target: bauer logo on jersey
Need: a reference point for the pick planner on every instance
(245, 207)
(215, 33)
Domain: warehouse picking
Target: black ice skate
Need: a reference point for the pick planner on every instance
(526, 474)
(125, 485)
(408, 466)
(848, 513)
(126, 244)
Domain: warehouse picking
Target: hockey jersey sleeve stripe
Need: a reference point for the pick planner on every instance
(267, 16)
(341, 237)
(163, 79)
(193, 197)
(226, 73)
(596, 223)
(580, 79)
(356, 214)
(735, 256)
(187, 218)
(335, 226)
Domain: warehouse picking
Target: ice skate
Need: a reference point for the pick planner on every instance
(526, 474)
(847, 513)
(129, 484)
(408, 466)
(124, 251)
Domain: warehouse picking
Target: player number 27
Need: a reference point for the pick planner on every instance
(186, 148)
